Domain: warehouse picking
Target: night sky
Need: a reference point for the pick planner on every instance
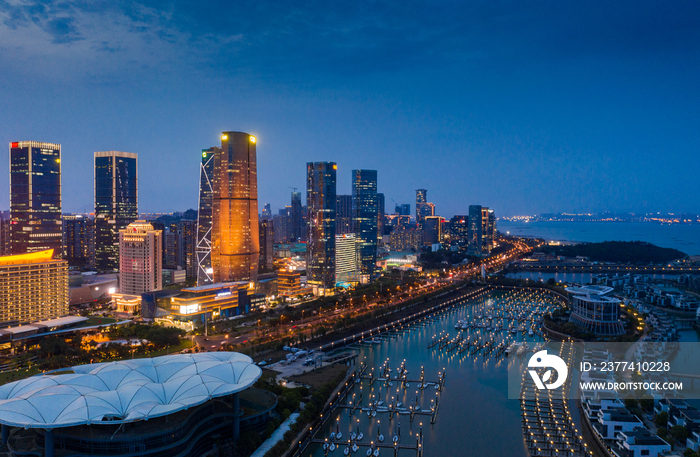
(524, 106)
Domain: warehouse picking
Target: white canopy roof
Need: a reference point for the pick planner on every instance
(125, 391)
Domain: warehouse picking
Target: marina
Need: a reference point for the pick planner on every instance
(438, 385)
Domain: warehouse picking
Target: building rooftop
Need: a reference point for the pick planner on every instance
(61, 321)
(589, 290)
(125, 391)
(30, 257)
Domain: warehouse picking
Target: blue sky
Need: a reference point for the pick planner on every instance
(524, 107)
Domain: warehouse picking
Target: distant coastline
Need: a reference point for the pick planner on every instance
(683, 237)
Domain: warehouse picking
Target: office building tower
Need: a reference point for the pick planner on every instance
(421, 199)
(346, 258)
(295, 219)
(140, 259)
(116, 203)
(266, 212)
(365, 215)
(205, 273)
(475, 233)
(78, 240)
(380, 216)
(280, 227)
(343, 214)
(266, 244)
(35, 197)
(235, 240)
(33, 287)
(171, 247)
(432, 230)
(459, 229)
(403, 210)
(482, 229)
(321, 201)
(187, 241)
(4, 233)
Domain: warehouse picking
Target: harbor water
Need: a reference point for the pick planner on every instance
(474, 417)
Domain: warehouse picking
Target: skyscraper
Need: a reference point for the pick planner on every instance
(343, 208)
(116, 203)
(346, 258)
(140, 259)
(421, 199)
(35, 197)
(296, 228)
(77, 231)
(365, 216)
(380, 217)
(320, 249)
(235, 240)
(205, 273)
(187, 240)
(475, 233)
(266, 244)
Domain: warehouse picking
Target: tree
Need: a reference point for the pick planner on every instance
(661, 419)
(679, 433)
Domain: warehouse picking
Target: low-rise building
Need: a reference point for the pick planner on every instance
(212, 301)
(639, 442)
(613, 421)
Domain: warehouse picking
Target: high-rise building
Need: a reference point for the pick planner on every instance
(482, 229)
(266, 244)
(343, 214)
(78, 240)
(33, 287)
(421, 199)
(365, 216)
(280, 224)
(5, 233)
(171, 240)
(187, 241)
(266, 212)
(475, 234)
(205, 273)
(35, 197)
(116, 203)
(140, 259)
(321, 201)
(380, 216)
(432, 230)
(403, 210)
(235, 240)
(405, 239)
(346, 264)
(295, 217)
(459, 229)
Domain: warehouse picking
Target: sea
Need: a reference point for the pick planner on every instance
(684, 237)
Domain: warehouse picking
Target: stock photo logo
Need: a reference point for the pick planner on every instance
(543, 360)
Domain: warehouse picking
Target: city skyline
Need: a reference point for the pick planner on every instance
(567, 107)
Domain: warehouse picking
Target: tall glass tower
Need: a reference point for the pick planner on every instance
(235, 242)
(116, 203)
(320, 249)
(205, 273)
(296, 221)
(365, 216)
(35, 197)
(421, 200)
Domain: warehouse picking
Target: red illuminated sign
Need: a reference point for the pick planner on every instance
(15, 145)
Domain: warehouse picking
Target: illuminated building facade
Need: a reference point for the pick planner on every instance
(346, 258)
(343, 214)
(140, 259)
(296, 221)
(405, 239)
(266, 244)
(187, 241)
(365, 216)
(320, 249)
(216, 300)
(380, 216)
(79, 240)
(33, 287)
(594, 311)
(35, 197)
(432, 230)
(205, 273)
(459, 229)
(235, 250)
(421, 199)
(289, 282)
(116, 203)
(482, 230)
